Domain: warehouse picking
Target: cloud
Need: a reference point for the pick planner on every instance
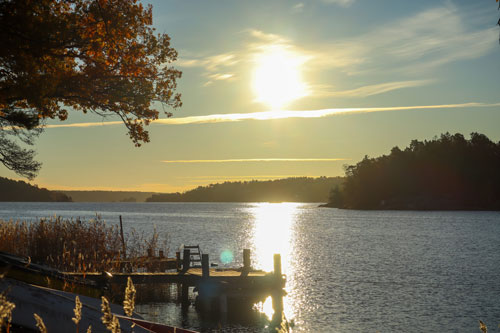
(299, 7)
(246, 160)
(343, 3)
(408, 50)
(218, 77)
(370, 90)
(424, 41)
(215, 66)
(282, 114)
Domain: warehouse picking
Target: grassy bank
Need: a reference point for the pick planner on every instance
(77, 245)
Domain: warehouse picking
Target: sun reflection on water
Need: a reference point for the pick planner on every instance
(273, 233)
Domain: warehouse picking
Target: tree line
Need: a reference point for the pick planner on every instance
(448, 172)
(299, 189)
(12, 190)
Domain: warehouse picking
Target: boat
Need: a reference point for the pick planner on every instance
(56, 308)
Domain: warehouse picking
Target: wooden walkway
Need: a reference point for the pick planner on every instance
(215, 286)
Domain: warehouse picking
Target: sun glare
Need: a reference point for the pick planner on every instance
(277, 77)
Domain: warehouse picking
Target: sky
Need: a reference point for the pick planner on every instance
(274, 89)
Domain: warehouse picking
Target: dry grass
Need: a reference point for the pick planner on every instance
(75, 245)
(6, 308)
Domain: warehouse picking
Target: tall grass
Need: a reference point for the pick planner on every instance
(76, 245)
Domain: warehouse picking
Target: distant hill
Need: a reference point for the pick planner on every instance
(300, 189)
(108, 196)
(17, 190)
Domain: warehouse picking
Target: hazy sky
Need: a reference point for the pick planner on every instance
(275, 89)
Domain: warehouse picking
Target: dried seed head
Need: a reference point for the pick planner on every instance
(6, 308)
(129, 301)
(77, 310)
(40, 324)
(483, 327)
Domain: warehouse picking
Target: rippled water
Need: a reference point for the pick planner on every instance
(361, 271)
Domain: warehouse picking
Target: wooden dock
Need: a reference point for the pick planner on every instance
(215, 287)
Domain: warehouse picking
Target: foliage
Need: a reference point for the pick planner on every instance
(75, 245)
(11, 190)
(107, 196)
(300, 189)
(449, 172)
(99, 56)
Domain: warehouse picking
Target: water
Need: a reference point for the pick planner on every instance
(361, 271)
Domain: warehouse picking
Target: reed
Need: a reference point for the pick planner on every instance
(76, 245)
(40, 324)
(6, 308)
(78, 312)
(108, 319)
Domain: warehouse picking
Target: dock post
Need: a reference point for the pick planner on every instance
(204, 289)
(277, 294)
(186, 259)
(178, 260)
(277, 266)
(223, 306)
(185, 295)
(246, 260)
(205, 266)
(124, 248)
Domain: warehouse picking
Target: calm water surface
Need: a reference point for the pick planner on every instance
(347, 271)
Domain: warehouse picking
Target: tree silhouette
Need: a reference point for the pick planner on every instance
(449, 172)
(99, 56)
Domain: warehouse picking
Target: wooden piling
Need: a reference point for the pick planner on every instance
(277, 294)
(205, 265)
(178, 260)
(246, 260)
(185, 294)
(186, 259)
(277, 265)
(124, 249)
(223, 304)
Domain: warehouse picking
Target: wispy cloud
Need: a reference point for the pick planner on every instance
(247, 160)
(343, 3)
(215, 66)
(282, 114)
(297, 8)
(408, 49)
(428, 39)
(218, 77)
(370, 90)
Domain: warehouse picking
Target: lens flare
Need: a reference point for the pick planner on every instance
(226, 257)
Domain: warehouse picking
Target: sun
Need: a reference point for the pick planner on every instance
(277, 77)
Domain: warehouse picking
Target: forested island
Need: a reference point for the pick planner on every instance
(299, 189)
(108, 196)
(445, 173)
(17, 190)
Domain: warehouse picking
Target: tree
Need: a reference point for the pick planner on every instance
(447, 172)
(99, 56)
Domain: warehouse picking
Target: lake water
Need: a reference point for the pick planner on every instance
(347, 271)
